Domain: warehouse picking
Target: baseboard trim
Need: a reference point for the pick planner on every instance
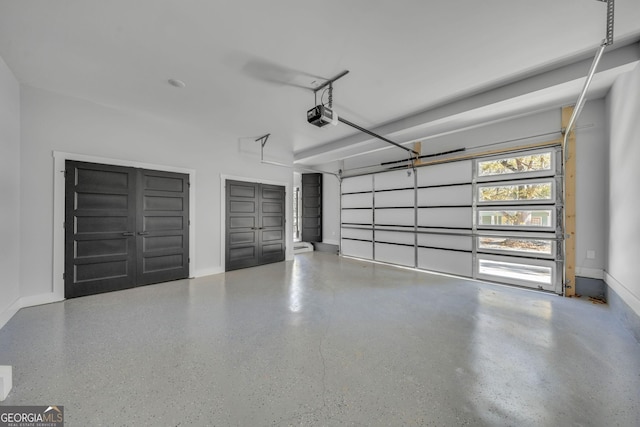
(624, 304)
(39, 300)
(625, 294)
(24, 302)
(9, 312)
(208, 272)
(326, 247)
(6, 381)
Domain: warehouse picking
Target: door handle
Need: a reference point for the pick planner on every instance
(142, 233)
(128, 233)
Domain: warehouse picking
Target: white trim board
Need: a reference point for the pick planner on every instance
(592, 273)
(6, 381)
(26, 302)
(59, 158)
(9, 312)
(331, 242)
(208, 272)
(223, 213)
(625, 294)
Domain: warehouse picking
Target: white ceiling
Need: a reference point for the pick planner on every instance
(246, 62)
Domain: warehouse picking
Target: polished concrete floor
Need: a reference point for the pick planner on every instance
(325, 341)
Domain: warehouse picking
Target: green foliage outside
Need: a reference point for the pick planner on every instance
(535, 191)
(534, 162)
(509, 193)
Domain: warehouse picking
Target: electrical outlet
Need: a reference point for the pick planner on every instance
(591, 254)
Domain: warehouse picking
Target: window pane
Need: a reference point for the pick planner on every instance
(296, 203)
(520, 192)
(521, 164)
(515, 218)
(513, 271)
(533, 246)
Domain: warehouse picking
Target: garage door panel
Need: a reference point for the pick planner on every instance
(357, 184)
(443, 261)
(454, 195)
(352, 233)
(395, 254)
(357, 216)
(444, 241)
(358, 249)
(539, 274)
(398, 198)
(445, 217)
(401, 216)
(445, 173)
(405, 238)
(359, 200)
(393, 180)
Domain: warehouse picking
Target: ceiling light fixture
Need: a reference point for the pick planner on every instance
(177, 83)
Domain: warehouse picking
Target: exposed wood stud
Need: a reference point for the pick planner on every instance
(569, 156)
(489, 153)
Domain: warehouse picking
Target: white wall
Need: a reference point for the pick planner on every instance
(331, 205)
(52, 122)
(623, 103)
(591, 190)
(10, 193)
(330, 210)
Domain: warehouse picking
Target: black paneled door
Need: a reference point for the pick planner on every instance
(255, 224)
(124, 227)
(162, 224)
(312, 207)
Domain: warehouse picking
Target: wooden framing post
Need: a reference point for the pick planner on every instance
(569, 156)
(417, 147)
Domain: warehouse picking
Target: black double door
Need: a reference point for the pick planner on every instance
(124, 227)
(255, 224)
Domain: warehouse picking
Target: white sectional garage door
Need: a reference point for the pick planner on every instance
(494, 218)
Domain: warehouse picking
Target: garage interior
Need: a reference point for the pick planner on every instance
(466, 180)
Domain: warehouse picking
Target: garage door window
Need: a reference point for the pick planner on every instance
(521, 164)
